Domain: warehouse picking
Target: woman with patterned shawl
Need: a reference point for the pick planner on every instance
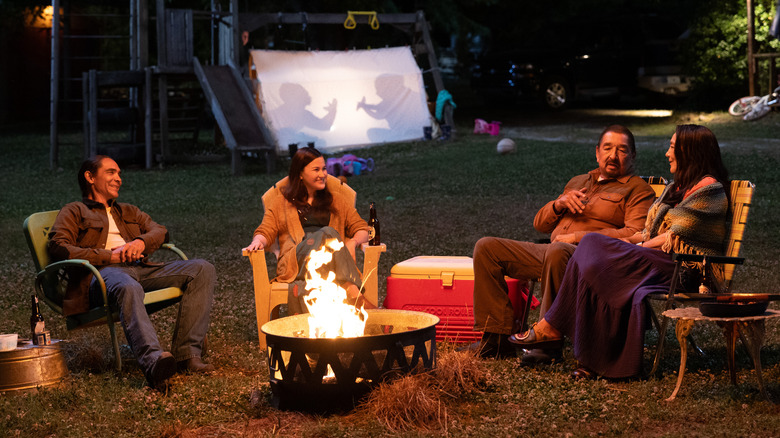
(600, 304)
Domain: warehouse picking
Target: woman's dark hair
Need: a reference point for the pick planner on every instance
(697, 154)
(90, 165)
(296, 192)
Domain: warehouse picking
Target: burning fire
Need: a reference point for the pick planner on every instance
(330, 314)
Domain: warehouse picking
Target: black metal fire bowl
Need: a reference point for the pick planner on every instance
(395, 342)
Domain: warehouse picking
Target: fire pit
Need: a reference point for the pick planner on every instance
(331, 374)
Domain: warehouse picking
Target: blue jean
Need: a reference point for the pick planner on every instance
(126, 285)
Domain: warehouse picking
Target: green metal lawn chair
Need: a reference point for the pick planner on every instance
(51, 281)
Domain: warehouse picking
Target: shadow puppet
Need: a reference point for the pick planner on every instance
(293, 117)
(395, 96)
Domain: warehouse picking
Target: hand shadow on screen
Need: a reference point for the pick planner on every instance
(294, 116)
(393, 94)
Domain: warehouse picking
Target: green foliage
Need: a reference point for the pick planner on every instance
(716, 52)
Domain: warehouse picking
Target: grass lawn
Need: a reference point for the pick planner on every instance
(432, 198)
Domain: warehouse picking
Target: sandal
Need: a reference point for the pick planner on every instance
(530, 340)
(583, 373)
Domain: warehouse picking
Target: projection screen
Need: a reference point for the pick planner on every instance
(340, 100)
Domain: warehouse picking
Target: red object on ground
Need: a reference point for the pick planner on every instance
(444, 286)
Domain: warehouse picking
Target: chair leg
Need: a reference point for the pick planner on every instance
(262, 288)
(668, 305)
(527, 310)
(653, 316)
(660, 348)
(115, 344)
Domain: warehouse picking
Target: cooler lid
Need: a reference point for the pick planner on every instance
(438, 267)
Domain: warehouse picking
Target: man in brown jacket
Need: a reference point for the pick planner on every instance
(609, 200)
(116, 238)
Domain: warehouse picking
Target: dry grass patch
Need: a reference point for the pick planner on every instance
(420, 401)
(459, 373)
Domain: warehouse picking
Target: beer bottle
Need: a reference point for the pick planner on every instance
(37, 325)
(374, 238)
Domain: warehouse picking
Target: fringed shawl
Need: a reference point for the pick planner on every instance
(697, 225)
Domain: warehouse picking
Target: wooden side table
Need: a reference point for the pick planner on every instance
(751, 327)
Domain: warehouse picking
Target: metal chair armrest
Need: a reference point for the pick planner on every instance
(74, 263)
(173, 248)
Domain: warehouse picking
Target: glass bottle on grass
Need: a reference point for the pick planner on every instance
(37, 326)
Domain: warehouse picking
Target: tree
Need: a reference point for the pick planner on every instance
(716, 51)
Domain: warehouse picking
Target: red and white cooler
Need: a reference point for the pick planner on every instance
(444, 286)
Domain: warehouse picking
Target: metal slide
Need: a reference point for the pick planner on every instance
(236, 114)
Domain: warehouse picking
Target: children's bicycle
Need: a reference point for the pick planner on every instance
(755, 107)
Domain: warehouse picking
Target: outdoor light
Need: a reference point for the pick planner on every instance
(632, 113)
(42, 20)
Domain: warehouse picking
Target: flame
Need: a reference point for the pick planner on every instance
(331, 316)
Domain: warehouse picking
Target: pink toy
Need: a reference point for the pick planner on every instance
(480, 126)
(483, 127)
(494, 127)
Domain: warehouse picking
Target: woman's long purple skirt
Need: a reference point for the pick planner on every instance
(600, 304)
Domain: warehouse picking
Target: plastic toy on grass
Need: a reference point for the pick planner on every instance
(349, 165)
(483, 127)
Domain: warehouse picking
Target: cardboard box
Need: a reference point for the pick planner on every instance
(444, 286)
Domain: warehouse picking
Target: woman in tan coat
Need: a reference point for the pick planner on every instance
(310, 209)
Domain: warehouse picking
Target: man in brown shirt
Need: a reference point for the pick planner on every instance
(116, 238)
(609, 200)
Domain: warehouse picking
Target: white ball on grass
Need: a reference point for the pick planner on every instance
(506, 146)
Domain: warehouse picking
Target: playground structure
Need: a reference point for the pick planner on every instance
(164, 92)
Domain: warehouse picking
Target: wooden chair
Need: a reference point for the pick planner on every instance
(657, 183)
(741, 195)
(51, 281)
(270, 295)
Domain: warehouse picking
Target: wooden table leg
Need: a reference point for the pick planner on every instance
(730, 334)
(754, 332)
(682, 330)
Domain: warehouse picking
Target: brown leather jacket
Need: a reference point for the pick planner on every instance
(81, 231)
(615, 208)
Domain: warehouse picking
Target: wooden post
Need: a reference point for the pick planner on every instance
(162, 79)
(143, 35)
(85, 118)
(54, 147)
(751, 36)
(93, 112)
(236, 32)
(162, 54)
(434, 64)
(133, 27)
(162, 85)
(148, 110)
